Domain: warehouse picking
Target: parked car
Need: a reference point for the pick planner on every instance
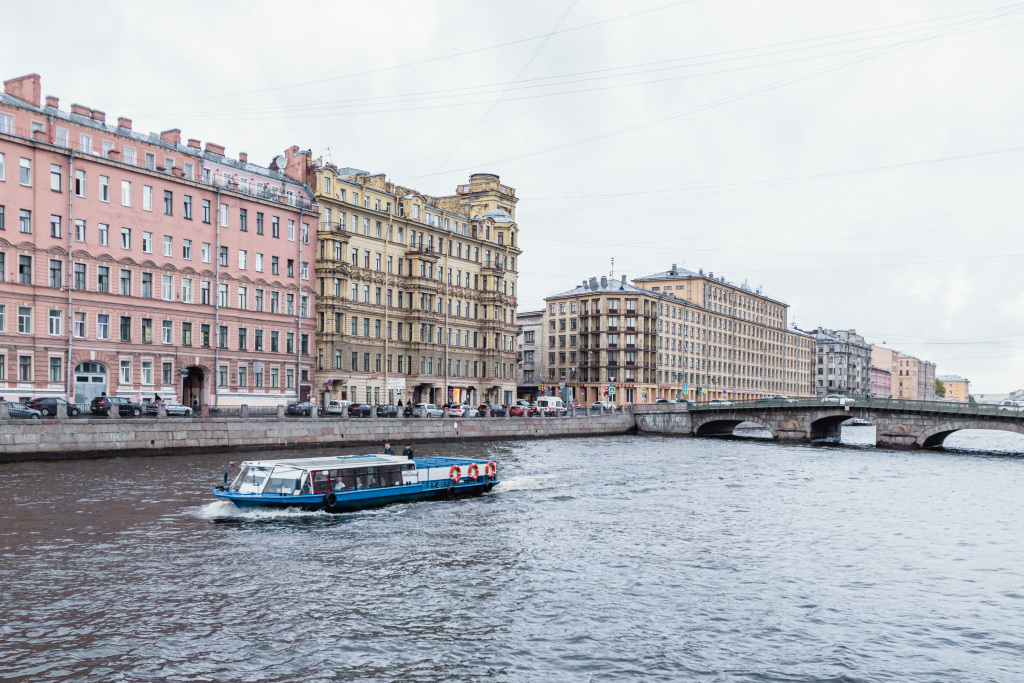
(720, 402)
(360, 410)
(428, 410)
(387, 411)
(48, 406)
(518, 410)
(837, 398)
(409, 410)
(101, 405)
(455, 410)
(1005, 405)
(597, 405)
(337, 407)
(304, 408)
(20, 411)
(173, 408)
(496, 410)
(665, 400)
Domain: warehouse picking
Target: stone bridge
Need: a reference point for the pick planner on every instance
(899, 424)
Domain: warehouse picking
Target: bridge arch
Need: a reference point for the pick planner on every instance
(934, 437)
(723, 425)
(829, 426)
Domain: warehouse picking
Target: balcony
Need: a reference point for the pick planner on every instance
(613, 328)
(422, 252)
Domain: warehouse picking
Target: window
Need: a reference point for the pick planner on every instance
(102, 279)
(222, 376)
(104, 235)
(147, 197)
(274, 265)
(186, 290)
(204, 293)
(53, 320)
(6, 124)
(147, 330)
(275, 227)
(222, 295)
(205, 252)
(25, 368)
(168, 203)
(274, 342)
(243, 298)
(79, 230)
(147, 372)
(258, 302)
(3, 217)
(243, 220)
(223, 256)
(206, 210)
(167, 376)
(147, 243)
(26, 172)
(186, 249)
(24, 320)
(291, 267)
(25, 221)
(86, 141)
(186, 334)
(79, 324)
(167, 288)
(102, 326)
(126, 282)
(305, 270)
(291, 230)
(25, 270)
(55, 177)
(242, 259)
(259, 262)
(126, 372)
(55, 230)
(223, 212)
(126, 193)
(187, 211)
(259, 223)
(79, 183)
(126, 238)
(79, 276)
(56, 279)
(242, 338)
(126, 328)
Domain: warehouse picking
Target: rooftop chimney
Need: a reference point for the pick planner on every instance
(675, 269)
(52, 101)
(593, 283)
(214, 148)
(172, 136)
(701, 271)
(604, 282)
(711, 274)
(623, 279)
(25, 88)
(192, 142)
(243, 157)
(98, 115)
(80, 110)
(123, 122)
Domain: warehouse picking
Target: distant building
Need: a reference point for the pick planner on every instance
(529, 353)
(911, 377)
(881, 383)
(957, 388)
(843, 364)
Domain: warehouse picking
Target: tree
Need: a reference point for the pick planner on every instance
(940, 389)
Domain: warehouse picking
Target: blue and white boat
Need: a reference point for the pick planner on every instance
(353, 482)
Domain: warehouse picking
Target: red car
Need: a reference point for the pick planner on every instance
(517, 411)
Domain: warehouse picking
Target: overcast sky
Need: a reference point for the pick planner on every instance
(861, 162)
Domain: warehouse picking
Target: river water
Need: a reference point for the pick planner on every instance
(604, 559)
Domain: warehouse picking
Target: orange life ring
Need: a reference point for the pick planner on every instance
(491, 469)
(455, 473)
(474, 472)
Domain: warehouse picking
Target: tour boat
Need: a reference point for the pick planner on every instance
(353, 482)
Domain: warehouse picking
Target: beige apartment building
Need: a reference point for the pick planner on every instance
(418, 292)
(601, 342)
(912, 378)
(957, 388)
(529, 354)
(735, 341)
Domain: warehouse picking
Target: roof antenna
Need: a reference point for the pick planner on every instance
(329, 156)
(611, 273)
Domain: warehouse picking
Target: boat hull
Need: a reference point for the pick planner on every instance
(364, 498)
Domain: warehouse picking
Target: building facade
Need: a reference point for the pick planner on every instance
(601, 342)
(733, 341)
(957, 388)
(529, 354)
(416, 294)
(843, 363)
(136, 265)
(881, 383)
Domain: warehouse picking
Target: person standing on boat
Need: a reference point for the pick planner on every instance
(408, 451)
(388, 450)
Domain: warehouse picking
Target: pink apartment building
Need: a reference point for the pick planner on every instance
(134, 264)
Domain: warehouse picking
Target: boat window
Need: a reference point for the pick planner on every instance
(393, 475)
(243, 472)
(284, 481)
(305, 484)
(343, 480)
(253, 480)
(321, 482)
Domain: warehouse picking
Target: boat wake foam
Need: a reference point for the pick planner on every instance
(225, 509)
(528, 483)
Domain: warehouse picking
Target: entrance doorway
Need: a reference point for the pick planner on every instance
(90, 381)
(192, 387)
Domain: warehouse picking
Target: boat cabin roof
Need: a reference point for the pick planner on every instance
(333, 463)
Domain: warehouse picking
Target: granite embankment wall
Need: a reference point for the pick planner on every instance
(72, 439)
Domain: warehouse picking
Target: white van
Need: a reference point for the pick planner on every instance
(551, 406)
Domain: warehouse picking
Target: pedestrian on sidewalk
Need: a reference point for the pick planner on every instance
(388, 450)
(408, 451)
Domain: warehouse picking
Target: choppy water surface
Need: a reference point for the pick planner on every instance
(598, 559)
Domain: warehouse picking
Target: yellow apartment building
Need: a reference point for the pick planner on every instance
(418, 293)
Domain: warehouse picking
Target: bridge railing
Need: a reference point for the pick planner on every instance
(948, 407)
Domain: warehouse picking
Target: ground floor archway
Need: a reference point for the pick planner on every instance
(193, 387)
(90, 381)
